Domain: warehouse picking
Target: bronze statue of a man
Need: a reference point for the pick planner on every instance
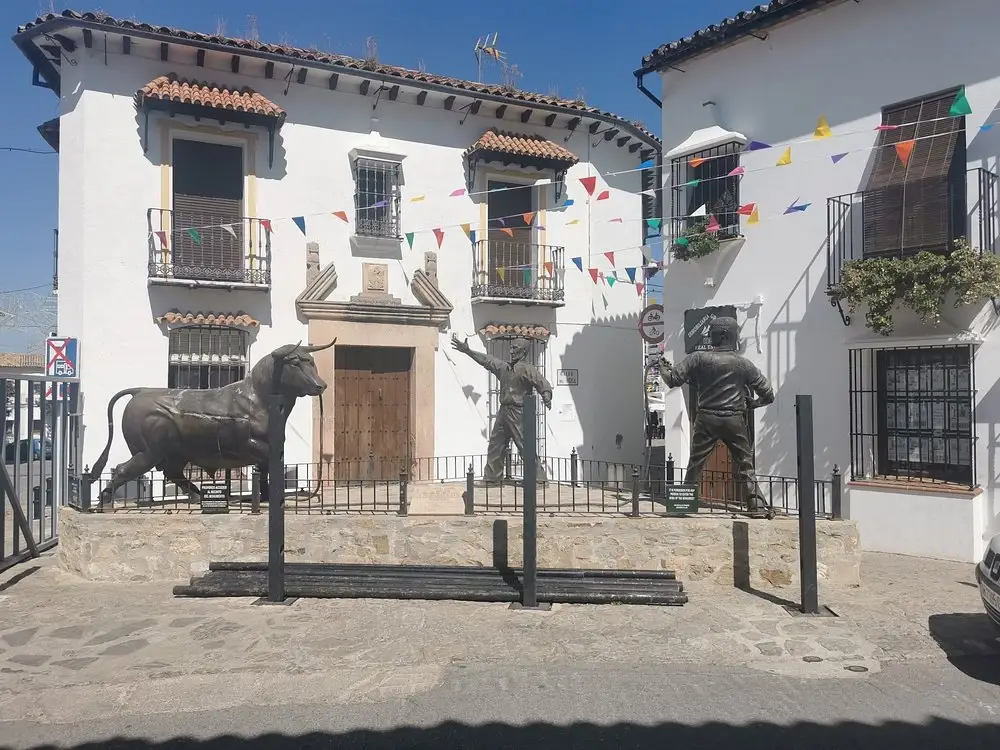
(728, 383)
(517, 378)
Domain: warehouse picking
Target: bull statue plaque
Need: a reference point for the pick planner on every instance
(214, 429)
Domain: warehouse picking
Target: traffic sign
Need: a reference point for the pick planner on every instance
(651, 324)
(62, 357)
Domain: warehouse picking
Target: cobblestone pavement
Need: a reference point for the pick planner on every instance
(72, 650)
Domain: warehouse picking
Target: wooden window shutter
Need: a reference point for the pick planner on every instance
(652, 205)
(909, 208)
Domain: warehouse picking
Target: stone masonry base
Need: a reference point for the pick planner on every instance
(166, 547)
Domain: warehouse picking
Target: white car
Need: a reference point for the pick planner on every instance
(988, 577)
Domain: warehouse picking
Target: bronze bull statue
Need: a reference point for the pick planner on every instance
(214, 429)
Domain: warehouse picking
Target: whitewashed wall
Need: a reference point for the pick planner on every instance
(845, 63)
(107, 183)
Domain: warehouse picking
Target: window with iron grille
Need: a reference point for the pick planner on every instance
(913, 414)
(920, 205)
(499, 347)
(703, 179)
(376, 198)
(207, 356)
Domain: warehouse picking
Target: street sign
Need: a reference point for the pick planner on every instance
(696, 325)
(567, 377)
(651, 324)
(62, 357)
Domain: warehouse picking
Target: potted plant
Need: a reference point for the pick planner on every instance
(695, 242)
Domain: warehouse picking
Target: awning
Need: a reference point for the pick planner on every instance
(170, 89)
(499, 145)
(233, 320)
(706, 138)
(503, 330)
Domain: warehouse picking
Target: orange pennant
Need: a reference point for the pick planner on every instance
(696, 162)
(507, 231)
(528, 217)
(904, 149)
(548, 267)
(342, 215)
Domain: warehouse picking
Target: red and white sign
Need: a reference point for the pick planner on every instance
(651, 324)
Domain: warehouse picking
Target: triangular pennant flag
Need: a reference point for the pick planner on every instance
(757, 146)
(647, 253)
(822, 128)
(682, 241)
(736, 172)
(548, 267)
(653, 223)
(885, 128)
(300, 222)
(266, 223)
(610, 255)
(747, 209)
(460, 191)
(162, 237)
(379, 204)
(467, 228)
(594, 274)
(639, 288)
(229, 228)
(797, 208)
(651, 271)
(527, 275)
(960, 106)
(193, 233)
(696, 162)
(502, 273)
(786, 158)
(754, 217)
(692, 183)
(472, 236)
(986, 128)
(605, 194)
(528, 217)
(702, 210)
(568, 202)
(571, 222)
(904, 149)
(631, 274)
(508, 231)
(616, 220)
(713, 225)
(589, 184)
(648, 164)
(500, 221)
(651, 192)
(342, 215)
(578, 262)
(417, 198)
(837, 157)
(409, 239)
(439, 233)
(611, 279)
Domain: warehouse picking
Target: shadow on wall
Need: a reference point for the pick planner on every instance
(609, 398)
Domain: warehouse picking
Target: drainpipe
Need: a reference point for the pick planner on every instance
(649, 94)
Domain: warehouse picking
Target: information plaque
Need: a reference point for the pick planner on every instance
(215, 497)
(681, 498)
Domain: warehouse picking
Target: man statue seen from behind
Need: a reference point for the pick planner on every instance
(727, 384)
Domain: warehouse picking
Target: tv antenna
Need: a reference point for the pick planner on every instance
(487, 47)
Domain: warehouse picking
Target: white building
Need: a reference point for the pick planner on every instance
(219, 198)
(911, 416)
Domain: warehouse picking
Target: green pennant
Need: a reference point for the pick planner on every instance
(527, 275)
(653, 223)
(692, 183)
(681, 241)
(409, 239)
(960, 106)
(611, 280)
(195, 236)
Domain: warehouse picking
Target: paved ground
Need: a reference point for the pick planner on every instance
(86, 662)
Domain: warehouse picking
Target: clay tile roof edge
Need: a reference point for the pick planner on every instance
(239, 319)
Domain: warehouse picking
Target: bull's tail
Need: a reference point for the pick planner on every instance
(102, 460)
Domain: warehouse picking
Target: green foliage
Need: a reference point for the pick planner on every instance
(920, 283)
(695, 242)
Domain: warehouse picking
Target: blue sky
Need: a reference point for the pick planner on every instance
(553, 43)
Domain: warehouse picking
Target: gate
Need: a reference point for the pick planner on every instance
(40, 425)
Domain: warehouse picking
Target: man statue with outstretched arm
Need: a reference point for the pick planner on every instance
(517, 378)
(727, 383)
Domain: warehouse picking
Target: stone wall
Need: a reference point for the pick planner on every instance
(164, 547)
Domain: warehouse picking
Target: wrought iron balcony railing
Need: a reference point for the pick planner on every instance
(213, 249)
(518, 271)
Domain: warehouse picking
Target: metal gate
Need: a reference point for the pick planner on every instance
(40, 425)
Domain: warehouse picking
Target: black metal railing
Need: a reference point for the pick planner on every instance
(208, 248)
(509, 270)
(853, 232)
(705, 178)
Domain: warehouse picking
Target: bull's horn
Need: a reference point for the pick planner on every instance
(312, 348)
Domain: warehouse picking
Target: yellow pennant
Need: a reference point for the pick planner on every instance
(502, 273)
(467, 228)
(786, 158)
(754, 217)
(417, 198)
(574, 221)
(822, 128)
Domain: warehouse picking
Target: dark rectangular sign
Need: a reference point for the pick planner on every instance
(696, 326)
(215, 497)
(681, 498)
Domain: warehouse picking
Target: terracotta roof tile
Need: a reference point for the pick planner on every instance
(495, 141)
(184, 91)
(293, 54)
(175, 317)
(495, 330)
(13, 360)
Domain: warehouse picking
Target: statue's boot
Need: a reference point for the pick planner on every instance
(758, 507)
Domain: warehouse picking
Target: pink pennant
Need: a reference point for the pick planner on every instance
(460, 191)
(610, 255)
(614, 221)
(163, 239)
(736, 172)
(594, 273)
(589, 184)
(747, 209)
(266, 223)
(605, 194)
(439, 233)
(639, 288)
(713, 225)
(883, 128)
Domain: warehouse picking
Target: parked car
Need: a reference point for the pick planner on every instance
(22, 454)
(988, 577)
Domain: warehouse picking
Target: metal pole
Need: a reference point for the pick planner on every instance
(470, 492)
(807, 504)
(276, 493)
(837, 494)
(635, 493)
(529, 593)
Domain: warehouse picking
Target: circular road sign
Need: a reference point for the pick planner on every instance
(651, 324)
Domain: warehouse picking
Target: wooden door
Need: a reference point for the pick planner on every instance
(371, 412)
(718, 480)
(510, 236)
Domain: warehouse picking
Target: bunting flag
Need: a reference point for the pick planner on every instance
(439, 234)
(508, 231)
(611, 279)
(682, 241)
(986, 128)
(616, 220)
(589, 184)
(417, 198)
(904, 149)
(605, 194)
(736, 172)
(409, 239)
(610, 255)
(786, 158)
(502, 273)
(754, 217)
(713, 225)
(960, 106)
(696, 162)
(822, 128)
(631, 274)
(647, 254)
(193, 233)
(456, 193)
(886, 128)
(837, 157)
(757, 146)
(639, 288)
(527, 275)
(467, 228)
(571, 222)
(692, 183)
(162, 237)
(300, 222)
(229, 228)
(472, 236)
(651, 271)
(266, 223)
(747, 209)
(653, 223)
(648, 164)
(578, 262)
(593, 273)
(567, 203)
(796, 207)
(342, 215)
(528, 217)
(702, 210)
(548, 267)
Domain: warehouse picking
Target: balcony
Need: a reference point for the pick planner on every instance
(204, 250)
(507, 272)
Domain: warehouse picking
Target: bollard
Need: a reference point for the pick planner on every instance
(573, 470)
(807, 504)
(255, 491)
(837, 494)
(403, 506)
(669, 473)
(635, 493)
(85, 485)
(470, 489)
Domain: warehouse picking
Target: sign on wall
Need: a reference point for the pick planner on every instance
(567, 377)
(62, 357)
(651, 324)
(696, 324)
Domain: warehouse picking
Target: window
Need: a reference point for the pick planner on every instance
(207, 356)
(912, 414)
(702, 179)
(376, 197)
(920, 205)
(499, 347)
(652, 204)
(511, 250)
(207, 237)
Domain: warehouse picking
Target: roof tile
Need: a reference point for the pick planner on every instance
(497, 141)
(16, 361)
(240, 319)
(184, 91)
